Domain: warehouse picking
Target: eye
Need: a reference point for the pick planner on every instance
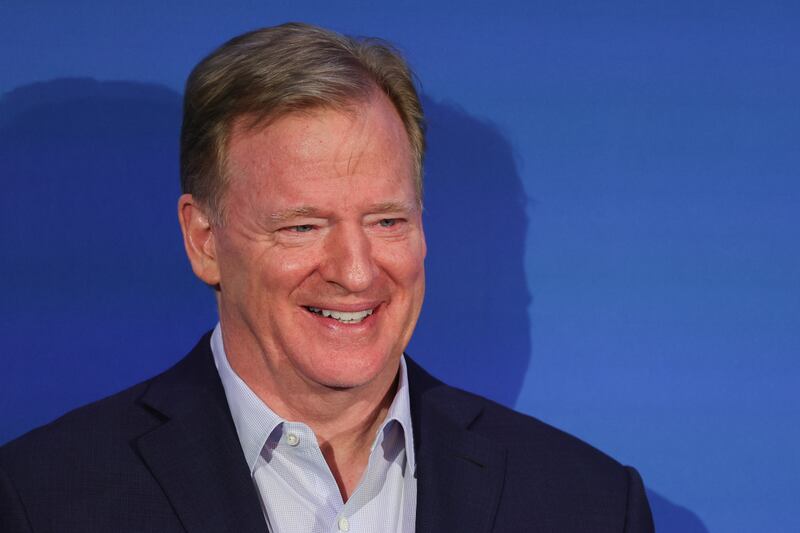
(387, 222)
(302, 228)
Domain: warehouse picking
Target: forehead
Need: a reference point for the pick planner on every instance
(365, 139)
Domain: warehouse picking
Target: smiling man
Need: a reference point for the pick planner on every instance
(319, 272)
(301, 163)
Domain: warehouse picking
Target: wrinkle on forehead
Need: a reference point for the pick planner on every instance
(349, 145)
(359, 112)
(301, 149)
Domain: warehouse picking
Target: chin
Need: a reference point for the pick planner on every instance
(349, 372)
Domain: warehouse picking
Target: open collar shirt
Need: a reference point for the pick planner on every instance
(295, 485)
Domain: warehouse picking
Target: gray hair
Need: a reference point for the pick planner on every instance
(270, 72)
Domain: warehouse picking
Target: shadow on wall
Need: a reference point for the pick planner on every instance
(99, 295)
(474, 328)
(672, 518)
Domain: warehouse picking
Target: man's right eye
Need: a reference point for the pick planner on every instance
(302, 228)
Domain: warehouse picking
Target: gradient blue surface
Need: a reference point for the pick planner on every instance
(612, 213)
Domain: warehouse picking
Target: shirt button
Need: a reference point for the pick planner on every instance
(344, 524)
(292, 439)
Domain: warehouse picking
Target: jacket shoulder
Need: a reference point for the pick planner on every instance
(86, 466)
(94, 427)
(570, 482)
(528, 436)
(80, 433)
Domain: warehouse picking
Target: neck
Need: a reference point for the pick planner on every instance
(344, 420)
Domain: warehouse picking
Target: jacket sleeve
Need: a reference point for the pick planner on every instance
(13, 518)
(638, 518)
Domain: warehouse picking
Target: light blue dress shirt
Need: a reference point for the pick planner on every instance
(297, 489)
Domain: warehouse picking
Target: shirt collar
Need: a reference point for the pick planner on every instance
(255, 421)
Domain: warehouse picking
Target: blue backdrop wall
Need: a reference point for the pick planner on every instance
(612, 213)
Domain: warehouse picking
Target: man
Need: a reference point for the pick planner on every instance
(301, 162)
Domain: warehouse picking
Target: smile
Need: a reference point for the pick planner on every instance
(342, 316)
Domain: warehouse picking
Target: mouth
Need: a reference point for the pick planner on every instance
(345, 317)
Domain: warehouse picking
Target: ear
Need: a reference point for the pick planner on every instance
(198, 239)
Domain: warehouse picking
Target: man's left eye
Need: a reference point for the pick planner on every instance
(387, 222)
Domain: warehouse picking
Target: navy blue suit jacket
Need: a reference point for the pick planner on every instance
(163, 456)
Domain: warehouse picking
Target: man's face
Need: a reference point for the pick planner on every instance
(321, 255)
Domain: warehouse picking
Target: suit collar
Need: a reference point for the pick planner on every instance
(194, 454)
(460, 474)
(197, 459)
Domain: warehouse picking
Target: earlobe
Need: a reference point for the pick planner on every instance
(198, 239)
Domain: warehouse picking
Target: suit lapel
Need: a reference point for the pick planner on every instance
(196, 457)
(195, 454)
(459, 474)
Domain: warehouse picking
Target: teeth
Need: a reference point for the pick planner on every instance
(342, 316)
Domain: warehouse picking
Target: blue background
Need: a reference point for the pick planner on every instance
(612, 214)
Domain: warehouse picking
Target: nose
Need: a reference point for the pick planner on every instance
(348, 260)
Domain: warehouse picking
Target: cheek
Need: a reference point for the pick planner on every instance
(407, 264)
(257, 263)
(289, 265)
(282, 273)
(233, 267)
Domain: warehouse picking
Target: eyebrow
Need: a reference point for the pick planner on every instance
(295, 212)
(310, 211)
(392, 207)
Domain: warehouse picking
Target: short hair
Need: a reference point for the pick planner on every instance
(270, 72)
